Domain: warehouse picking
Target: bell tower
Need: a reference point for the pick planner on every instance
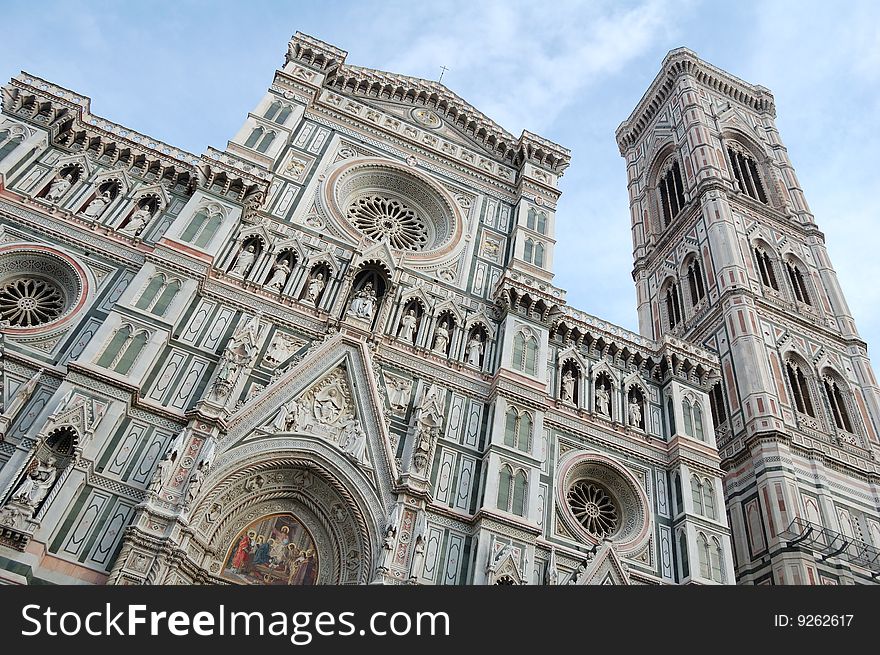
(727, 254)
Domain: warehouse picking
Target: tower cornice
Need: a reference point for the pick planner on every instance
(683, 61)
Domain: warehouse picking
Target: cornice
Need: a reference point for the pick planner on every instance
(679, 62)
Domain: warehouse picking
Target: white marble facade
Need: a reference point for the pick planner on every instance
(333, 353)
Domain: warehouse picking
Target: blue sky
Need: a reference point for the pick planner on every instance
(187, 72)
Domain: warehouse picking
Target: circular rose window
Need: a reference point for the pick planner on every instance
(601, 499)
(390, 203)
(30, 301)
(594, 508)
(37, 287)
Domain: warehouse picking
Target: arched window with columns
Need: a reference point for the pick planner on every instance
(799, 387)
(837, 396)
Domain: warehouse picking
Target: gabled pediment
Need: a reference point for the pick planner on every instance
(329, 399)
(606, 568)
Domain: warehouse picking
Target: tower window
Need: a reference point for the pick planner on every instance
(719, 408)
(838, 405)
(746, 172)
(765, 269)
(799, 389)
(798, 284)
(695, 281)
(671, 194)
(673, 305)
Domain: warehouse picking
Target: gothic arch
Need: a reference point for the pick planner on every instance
(274, 475)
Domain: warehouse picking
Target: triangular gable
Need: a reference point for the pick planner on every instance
(335, 363)
(605, 568)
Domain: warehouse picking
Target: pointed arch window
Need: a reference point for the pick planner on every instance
(123, 349)
(518, 430)
(719, 405)
(709, 500)
(693, 419)
(697, 495)
(800, 389)
(765, 269)
(717, 559)
(520, 483)
(208, 231)
(746, 172)
(525, 353)
(512, 491)
(254, 137)
(542, 223)
(7, 144)
(703, 551)
(528, 250)
(539, 255)
(679, 498)
(531, 218)
(695, 281)
(798, 284)
(283, 114)
(272, 111)
(672, 298)
(671, 194)
(683, 554)
(670, 411)
(837, 402)
(154, 288)
(266, 142)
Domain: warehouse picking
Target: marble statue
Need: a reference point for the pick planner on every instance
(36, 484)
(635, 413)
(137, 222)
(408, 326)
(316, 286)
(244, 261)
(59, 187)
(475, 350)
(441, 338)
(279, 276)
(602, 400)
(364, 303)
(567, 393)
(98, 205)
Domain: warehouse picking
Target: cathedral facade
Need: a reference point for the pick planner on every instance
(333, 353)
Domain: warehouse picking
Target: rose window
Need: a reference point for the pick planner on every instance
(593, 507)
(388, 202)
(39, 288)
(29, 301)
(386, 219)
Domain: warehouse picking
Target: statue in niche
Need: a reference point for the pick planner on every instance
(635, 413)
(196, 479)
(441, 338)
(408, 325)
(388, 539)
(418, 560)
(59, 187)
(316, 286)
(244, 261)
(36, 484)
(475, 350)
(279, 276)
(602, 400)
(364, 303)
(98, 205)
(137, 222)
(401, 388)
(567, 393)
